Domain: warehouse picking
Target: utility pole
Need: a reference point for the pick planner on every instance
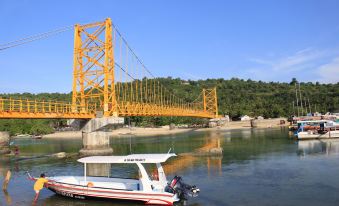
(305, 105)
(301, 101)
(309, 105)
(296, 95)
(293, 109)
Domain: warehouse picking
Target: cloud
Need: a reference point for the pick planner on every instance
(329, 73)
(292, 63)
(307, 64)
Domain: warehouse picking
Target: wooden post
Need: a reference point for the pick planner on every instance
(6, 180)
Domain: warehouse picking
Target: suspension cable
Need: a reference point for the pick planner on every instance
(134, 54)
(34, 38)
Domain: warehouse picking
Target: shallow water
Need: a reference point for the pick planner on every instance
(258, 167)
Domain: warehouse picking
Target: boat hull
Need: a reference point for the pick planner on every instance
(84, 192)
(312, 135)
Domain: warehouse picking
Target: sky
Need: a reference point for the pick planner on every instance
(260, 40)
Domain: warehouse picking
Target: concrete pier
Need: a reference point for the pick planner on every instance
(98, 170)
(95, 136)
(4, 143)
(95, 143)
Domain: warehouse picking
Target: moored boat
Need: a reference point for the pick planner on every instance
(156, 192)
(317, 129)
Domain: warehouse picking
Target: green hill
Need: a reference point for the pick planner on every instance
(236, 97)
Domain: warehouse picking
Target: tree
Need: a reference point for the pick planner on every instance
(294, 81)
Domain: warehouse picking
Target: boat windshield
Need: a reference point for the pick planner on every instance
(152, 171)
(119, 170)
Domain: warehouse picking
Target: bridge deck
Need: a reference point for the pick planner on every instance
(28, 109)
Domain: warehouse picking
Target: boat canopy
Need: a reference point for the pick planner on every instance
(314, 121)
(134, 158)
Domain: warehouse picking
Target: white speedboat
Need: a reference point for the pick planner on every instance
(156, 192)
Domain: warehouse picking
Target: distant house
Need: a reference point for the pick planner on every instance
(316, 114)
(245, 118)
(185, 83)
(260, 118)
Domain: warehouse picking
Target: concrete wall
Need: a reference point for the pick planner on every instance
(95, 137)
(265, 123)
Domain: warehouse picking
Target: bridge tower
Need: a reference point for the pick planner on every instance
(210, 101)
(93, 68)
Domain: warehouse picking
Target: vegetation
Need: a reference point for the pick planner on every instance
(23, 126)
(236, 97)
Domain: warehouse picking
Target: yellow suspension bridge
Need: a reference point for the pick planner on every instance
(109, 78)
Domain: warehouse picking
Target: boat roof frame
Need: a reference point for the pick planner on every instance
(315, 121)
(133, 158)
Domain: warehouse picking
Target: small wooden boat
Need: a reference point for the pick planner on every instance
(155, 192)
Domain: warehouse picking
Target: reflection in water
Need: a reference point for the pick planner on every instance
(7, 197)
(60, 200)
(328, 147)
(180, 163)
(4, 168)
(214, 166)
(246, 133)
(185, 161)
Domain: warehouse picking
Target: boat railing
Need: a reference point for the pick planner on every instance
(94, 187)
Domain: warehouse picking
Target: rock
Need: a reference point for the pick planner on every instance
(4, 143)
(59, 155)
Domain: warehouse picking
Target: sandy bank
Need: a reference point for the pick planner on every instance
(123, 132)
(143, 132)
(68, 134)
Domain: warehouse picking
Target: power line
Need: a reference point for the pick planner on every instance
(34, 38)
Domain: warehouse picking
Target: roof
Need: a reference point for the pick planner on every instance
(134, 158)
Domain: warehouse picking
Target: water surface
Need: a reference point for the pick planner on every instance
(258, 167)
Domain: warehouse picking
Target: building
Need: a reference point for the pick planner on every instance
(260, 118)
(245, 118)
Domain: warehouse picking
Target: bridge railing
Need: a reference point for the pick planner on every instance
(42, 106)
(24, 108)
(150, 109)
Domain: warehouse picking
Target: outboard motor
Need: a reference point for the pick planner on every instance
(177, 186)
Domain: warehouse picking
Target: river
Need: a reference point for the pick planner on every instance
(258, 167)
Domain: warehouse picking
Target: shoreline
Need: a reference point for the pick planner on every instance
(260, 124)
(121, 133)
(162, 131)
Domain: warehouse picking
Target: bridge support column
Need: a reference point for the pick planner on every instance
(98, 170)
(95, 143)
(4, 143)
(95, 136)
